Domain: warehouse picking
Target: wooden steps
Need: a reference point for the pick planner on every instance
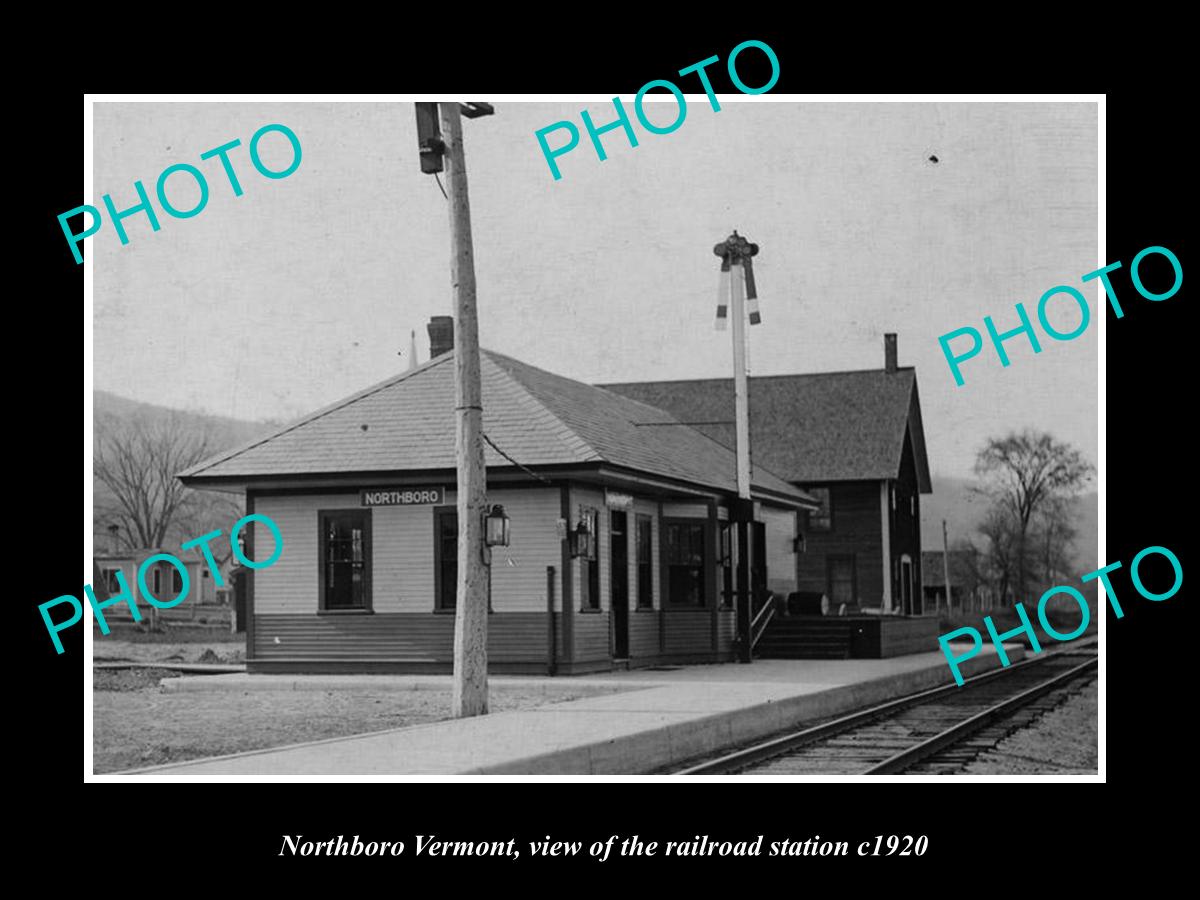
(806, 637)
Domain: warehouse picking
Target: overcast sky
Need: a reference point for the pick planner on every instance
(304, 289)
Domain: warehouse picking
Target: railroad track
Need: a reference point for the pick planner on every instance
(934, 731)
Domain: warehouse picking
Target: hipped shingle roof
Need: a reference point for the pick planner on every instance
(534, 416)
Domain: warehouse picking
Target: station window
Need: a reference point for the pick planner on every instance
(345, 547)
(645, 578)
(445, 550)
(686, 562)
(589, 574)
(725, 549)
(176, 581)
(445, 560)
(821, 519)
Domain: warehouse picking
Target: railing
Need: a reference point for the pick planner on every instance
(761, 620)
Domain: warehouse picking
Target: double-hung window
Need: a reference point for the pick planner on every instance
(589, 562)
(645, 578)
(345, 549)
(686, 563)
(821, 519)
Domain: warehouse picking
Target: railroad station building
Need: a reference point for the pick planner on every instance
(621, 550)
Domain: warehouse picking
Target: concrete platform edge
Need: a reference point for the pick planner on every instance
(653, 749)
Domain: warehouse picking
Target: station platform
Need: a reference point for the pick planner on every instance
(631, 723)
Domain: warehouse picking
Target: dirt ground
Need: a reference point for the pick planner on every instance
(1062, 742)
(135, 723)
(110, 649)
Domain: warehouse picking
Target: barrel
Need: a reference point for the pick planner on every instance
(808, 603)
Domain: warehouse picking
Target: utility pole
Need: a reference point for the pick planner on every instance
(736, 252)
(946, 567)
(470, 697)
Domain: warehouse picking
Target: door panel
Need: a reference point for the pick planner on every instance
(841, 581)
(619, 580)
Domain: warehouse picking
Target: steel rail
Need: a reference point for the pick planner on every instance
(757, 753)
(955, 733)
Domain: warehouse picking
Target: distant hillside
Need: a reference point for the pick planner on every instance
(222, 433)
(225, 432)
(953, 501)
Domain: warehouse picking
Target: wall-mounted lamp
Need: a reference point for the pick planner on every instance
(496, 527)
(798, 545)
(583, 546)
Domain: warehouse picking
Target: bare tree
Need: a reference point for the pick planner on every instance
(205, 511)
(1053, 535)
(998, 557)
(1026, 475)
(137, 460)
(967, 568)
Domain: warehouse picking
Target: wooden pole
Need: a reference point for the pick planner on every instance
(744, 616)
(551, 631)
(470, 697)
(742, 416)
(740, 385)
(946, 567)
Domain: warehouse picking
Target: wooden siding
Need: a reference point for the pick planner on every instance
(403, 627)
(858, 530)
(906, 524)
(402, 574)
(688, 631)
(512, 637)
(881, 637)
(781, 549)
(591, 637)
(290, 585)
(519, 570)
(643, 634)
(726, 629)
(584, 497)
(685, 510)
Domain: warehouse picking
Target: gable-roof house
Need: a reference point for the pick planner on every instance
(852, 439)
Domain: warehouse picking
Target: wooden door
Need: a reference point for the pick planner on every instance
(619, 581)
(841, 580)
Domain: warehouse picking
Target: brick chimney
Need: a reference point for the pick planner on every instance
(441, 335)
(889, 352)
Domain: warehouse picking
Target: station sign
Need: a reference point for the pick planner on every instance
(615, 500)
(405, 496)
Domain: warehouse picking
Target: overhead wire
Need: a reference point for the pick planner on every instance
(525, 469)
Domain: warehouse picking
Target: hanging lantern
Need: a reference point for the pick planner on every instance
(581, 540)
(496, 527)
